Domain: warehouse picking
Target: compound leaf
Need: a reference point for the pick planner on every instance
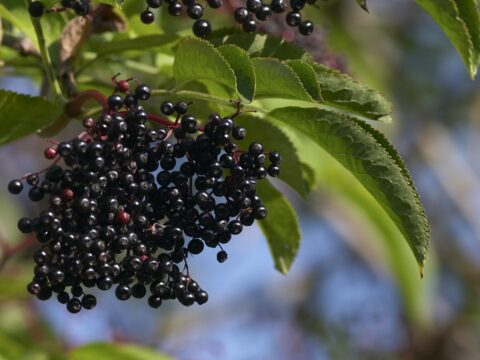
(373, 161)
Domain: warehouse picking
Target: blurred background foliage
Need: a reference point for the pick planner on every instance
(353, 292)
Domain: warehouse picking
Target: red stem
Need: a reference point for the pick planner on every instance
(8, 251)
(74, 106)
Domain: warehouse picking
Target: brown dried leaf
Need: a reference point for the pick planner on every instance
(105, 19)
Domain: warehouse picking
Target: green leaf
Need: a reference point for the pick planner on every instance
(460, 21)
(259, 45)
(243, 68)
(115, 352)
(16, 15)
(138, 43)
(373, 161)
(308, 77)
(23, 115)
(283, 240)
(277, 80)
(118, 3)
(274, 139)
(198, 60)
(341, 91)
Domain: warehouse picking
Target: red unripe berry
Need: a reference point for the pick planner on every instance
(123, 217)
(143, 258)
(67, 194)
(123, 86)
(89, 123)
(50, 153)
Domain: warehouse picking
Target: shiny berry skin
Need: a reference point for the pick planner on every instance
(50, 153)
(195, 11)
(263, 12)
(215, 4)
(25, 225)
(175, 8)
(123, 292)
(181, 107)
(189, 124)
(74, 306)
(279, 6)
(249, 25)
(167, 108)
(154, 302)
(253, 5)
(123, 86)
(274, 157)
(15, 187)
(297, 5)
(201, 28)
(306, 28)
(154, 4)
(142, 92)
(147, 17)
(115, 102)
(36, 9)
(241, 15)
(293, 19)
(201, 297)
(123, 217)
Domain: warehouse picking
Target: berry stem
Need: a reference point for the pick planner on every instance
(160, 120)
(47, 63)
(8, 250)
(74, 107)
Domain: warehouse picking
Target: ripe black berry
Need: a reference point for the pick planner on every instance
(241, 15)
(222, 256)
(115, 102)
(147, 17)
(36, 9)
(74, 306)
(15, 187)
(297, 5)
(202, 28)
(253, 5)
(215, 4)
(293, 18)
(154, 3)
(25, 225)
(195, 11)
(249, 25)
(167, 108)
(305, 28)
(263, 12)
(279, 6)
(142, 92)
(175, 8)
(181, 107)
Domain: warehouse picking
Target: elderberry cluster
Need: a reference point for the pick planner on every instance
(80, 7)
(127, 204)
(248, 15)
(257, 10)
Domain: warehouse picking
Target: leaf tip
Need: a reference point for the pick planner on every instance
(421, 268)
